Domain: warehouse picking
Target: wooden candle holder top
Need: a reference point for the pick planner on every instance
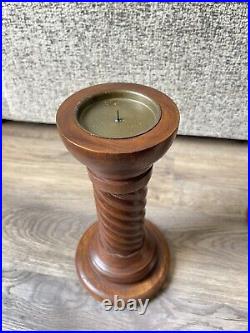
(120, 254)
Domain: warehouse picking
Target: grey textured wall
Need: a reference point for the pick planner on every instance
(195, 52)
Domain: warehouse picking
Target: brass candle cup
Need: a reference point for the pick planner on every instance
(118, 114)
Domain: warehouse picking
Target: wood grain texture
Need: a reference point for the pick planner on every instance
(198, 197)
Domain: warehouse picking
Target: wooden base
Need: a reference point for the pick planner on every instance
(102, 288)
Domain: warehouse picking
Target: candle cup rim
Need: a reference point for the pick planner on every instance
(162, 133)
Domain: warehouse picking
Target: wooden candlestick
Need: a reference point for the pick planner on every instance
(121, 254)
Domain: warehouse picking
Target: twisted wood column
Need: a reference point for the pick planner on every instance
(122, 240)
(121, 220)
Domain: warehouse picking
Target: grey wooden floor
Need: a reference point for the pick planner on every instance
(197, 196)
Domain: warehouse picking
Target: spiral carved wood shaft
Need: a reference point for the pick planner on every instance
(121, 220)
(121, 209)
(122, 240)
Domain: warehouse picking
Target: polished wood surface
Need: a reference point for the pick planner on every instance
(197, 196)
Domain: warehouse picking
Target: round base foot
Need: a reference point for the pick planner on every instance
(101, 288)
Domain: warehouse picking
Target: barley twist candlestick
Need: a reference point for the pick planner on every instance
(118, 131)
